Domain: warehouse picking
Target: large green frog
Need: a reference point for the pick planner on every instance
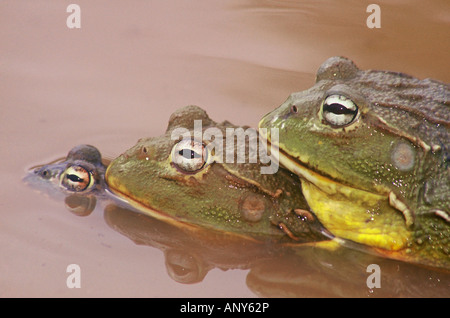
(372, 151)
(183, 180)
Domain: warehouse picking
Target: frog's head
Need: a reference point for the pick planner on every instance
(80, 172)
(331, 130)
(78, 179)
(178, 180)
(358, 139)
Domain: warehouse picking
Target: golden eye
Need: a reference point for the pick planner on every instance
(76, 179)
(189, 155)
(339, 111)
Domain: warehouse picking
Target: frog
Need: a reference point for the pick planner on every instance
(78, 178)
(372, 150)
(181, 179)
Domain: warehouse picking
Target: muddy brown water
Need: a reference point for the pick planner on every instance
(120, 76)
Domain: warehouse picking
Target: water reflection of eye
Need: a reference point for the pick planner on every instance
(184, 267)
(80, 205)
(77, 179)
(190, 155)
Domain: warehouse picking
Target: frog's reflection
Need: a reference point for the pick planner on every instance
(319, 273)
(274, 270)
(189, 254)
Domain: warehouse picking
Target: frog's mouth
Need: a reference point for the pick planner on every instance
(122, 193)
(366, 217)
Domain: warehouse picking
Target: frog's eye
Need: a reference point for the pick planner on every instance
(338, 110)
(77, 179)
(189, 155)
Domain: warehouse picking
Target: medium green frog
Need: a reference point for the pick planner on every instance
(183, 180)
(372, 151)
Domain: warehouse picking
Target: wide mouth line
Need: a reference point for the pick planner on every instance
(297, 161)
(157, 214)
(312, 175)
(127, 199)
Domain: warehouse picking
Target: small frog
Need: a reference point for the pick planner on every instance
(79, 178)
(181, 180)
(372, 151)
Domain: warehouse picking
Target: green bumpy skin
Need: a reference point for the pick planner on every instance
(202, 192)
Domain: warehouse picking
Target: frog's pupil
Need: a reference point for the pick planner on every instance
(189, 154)
(74, 178)
(338, 109)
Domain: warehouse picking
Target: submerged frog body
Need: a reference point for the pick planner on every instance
(372, 151)
(182, 181)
